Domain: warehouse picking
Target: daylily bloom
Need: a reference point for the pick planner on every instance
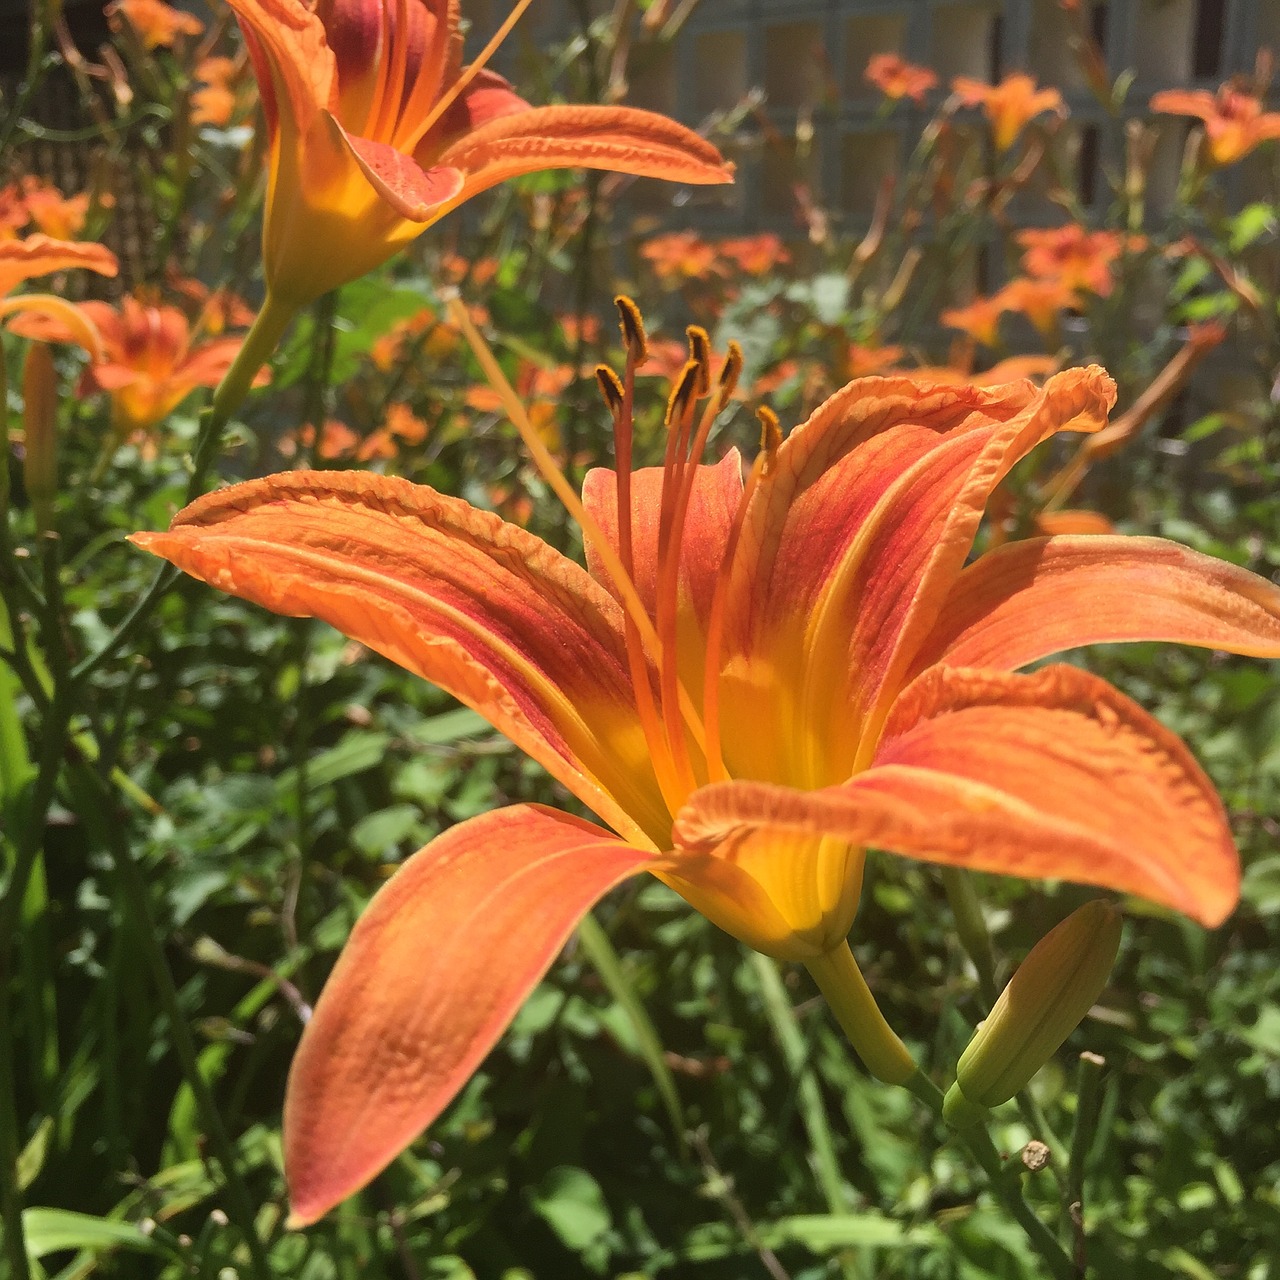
(150, 362)
(1234, 121)
(896, 78)
(377, 130)
(1074, 257)
(980, 319)
(749, 684)
(61, 217)
(1010, 105)
(158, 25)
(677, 256)
(39, 255)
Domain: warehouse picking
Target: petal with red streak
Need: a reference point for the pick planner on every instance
(713, 503)
(1028, 600)
(480, 607)
(617, 139)
(428, 981)
(413, 192)
(292, 54)
(1050, 775)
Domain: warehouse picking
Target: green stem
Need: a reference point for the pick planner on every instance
(873, 1039)
(971, 928)
(259, 344)
(137, 903)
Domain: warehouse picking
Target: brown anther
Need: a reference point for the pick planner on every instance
(700, 354)
(684, 390)
(632, 323)
(610, 388)
(770, 436)
(730, 374)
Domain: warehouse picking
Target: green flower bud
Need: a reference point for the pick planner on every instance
(1045, 1001)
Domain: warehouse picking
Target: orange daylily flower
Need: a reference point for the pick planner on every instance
(61, 217)
(678, 256)
(215, 101)
(1234, 121)
(1041, 299)
(897, 78)
(1076, 258)
(1009, 105)
(980, 319)
(755, 255)
(377, 130)
(157, 24)
(864, 360)
(39, 255)
(151, 361)
(749, 684)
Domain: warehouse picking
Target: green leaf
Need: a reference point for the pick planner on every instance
(56, 1230)
(570, 1202)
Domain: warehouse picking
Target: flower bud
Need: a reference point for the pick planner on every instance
(1043, 1003)
(39, 424)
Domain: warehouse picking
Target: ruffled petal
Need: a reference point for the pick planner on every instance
(1028, 600)
(618, 139)
(1053, 775)
(428, 981)
(295, 68)
(480, 607)
(38, 255)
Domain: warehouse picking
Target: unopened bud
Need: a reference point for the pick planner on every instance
(1045, 1001)
(39, 431)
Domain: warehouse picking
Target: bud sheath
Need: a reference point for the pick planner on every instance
(1045, 1001)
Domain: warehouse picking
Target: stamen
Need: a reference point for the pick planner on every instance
(633, 607)
(633, 334)
(611, 389)
(469, 73)
(700, 354)
(770, 436)
(730, 374)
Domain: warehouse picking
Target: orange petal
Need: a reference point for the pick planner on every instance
(618, 139)
(38, 255)
(480, 607)
(413, 192)
(53, 319)
(1030, 599)
(296, 71)
(1185, 102)
(717, 491)
(1051, 775)
(428, 981)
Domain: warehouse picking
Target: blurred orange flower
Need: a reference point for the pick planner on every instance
(377, 130)
(678, 256)
(158, 25)
(1042, 300)
(1234, 121)
(1074, 257)
(59, 216)
(864, 361)
(755, 255)
(215, 101)
(539, 387)
(1009, 105)
(980, 319)
(896, 78)
(151, 361)
(39, 255)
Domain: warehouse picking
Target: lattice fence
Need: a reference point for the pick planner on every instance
(820, 122)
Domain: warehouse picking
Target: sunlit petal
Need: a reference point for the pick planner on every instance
(1050, 775)
(432, 974)
(1028, 600)
(481, 608)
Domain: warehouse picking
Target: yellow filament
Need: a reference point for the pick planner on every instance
(632, 605)
(469, 73)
